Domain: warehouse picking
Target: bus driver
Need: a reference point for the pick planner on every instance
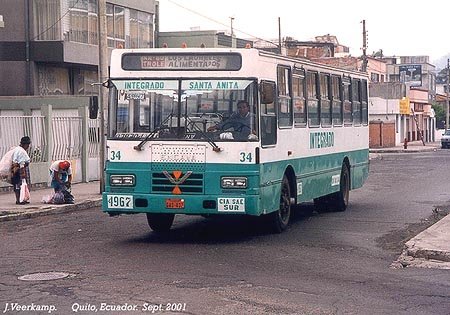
(241, 122)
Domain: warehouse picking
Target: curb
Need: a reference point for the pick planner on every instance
(52, 209)
(402, 150)
(429, 254)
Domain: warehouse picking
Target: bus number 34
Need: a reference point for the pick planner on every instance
(245, 157)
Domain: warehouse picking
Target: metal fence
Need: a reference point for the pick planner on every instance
(12, 128)
(66, 136)
(94, 137)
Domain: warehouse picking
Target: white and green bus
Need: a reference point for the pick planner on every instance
(178, 142)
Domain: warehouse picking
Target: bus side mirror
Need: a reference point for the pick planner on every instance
(267, 92)
(93, 107)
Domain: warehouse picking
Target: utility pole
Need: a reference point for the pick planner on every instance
(447, 92)
(279, 35)
(364, 48)
(103, 92)
(231, 26)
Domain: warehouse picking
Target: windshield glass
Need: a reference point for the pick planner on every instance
(218, 110)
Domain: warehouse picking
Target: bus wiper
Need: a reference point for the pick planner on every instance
(153, 133)
(208, 138)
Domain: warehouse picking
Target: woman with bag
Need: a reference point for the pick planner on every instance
(20, 171)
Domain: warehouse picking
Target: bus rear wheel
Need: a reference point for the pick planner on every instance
(337, 201)
(279, 219)
(160, 222)
(342, 196)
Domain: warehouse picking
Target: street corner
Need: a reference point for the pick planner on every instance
(413, 259)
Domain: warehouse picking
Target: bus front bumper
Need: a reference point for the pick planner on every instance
(122, 203)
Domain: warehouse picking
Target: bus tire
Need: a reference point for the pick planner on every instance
(341, 198)
(160, 222)
(279, 220)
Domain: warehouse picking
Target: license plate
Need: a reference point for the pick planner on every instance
(120, 201)
(174, 203)
(231, 204)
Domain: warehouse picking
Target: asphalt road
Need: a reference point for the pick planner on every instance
(330, 263)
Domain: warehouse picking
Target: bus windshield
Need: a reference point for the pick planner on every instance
(191, 109)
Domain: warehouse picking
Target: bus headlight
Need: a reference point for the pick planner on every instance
(233, 182)
(122, 180)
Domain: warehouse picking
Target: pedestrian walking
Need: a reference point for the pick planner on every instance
(20, 169)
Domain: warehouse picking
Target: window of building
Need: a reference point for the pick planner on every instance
(141, 29)
(119, 26)
(298, 91)
(374, 77)
(145, 21)
(93, 22)
(312, 98)
(83, 21)
(284, 97)
(110, 24)
(83, 80)
(46, 15)
(53, 80)
(78, 21)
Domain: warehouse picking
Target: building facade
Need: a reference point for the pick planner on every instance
(50, 47)
(199, 38)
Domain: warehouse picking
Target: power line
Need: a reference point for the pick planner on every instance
(220, 23)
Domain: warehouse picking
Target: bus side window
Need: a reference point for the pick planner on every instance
(364, 103)
(268, 116)
(356, 101)
(336, 100)
(284, 97)
(346, 91)
(312, 98)
(325, 103)
(298, 93)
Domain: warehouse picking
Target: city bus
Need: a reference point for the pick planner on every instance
(171, 148)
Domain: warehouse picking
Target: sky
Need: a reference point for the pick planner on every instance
(398, 27)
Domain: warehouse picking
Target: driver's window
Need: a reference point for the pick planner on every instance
(268, 119)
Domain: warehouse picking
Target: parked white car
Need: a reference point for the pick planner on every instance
(445, 140)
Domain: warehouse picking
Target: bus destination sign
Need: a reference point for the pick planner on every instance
(182, 61)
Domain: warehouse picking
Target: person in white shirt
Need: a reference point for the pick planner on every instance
(20, 167)
(61, 173)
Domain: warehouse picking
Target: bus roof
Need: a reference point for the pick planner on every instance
(145, 62)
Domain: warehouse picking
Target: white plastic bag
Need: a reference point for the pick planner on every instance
(47, 199)
(24, 192)
(6, 163)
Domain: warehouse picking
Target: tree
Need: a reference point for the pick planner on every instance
(440, 115)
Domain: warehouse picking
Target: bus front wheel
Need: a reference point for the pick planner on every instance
(160, 222)
(279, 219)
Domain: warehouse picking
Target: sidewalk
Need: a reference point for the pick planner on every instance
(87, 195)
(413, 147)
(431, 247)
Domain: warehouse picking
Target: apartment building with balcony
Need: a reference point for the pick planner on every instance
(50, 47)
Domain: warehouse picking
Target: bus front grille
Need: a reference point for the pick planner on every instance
(191, 185)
